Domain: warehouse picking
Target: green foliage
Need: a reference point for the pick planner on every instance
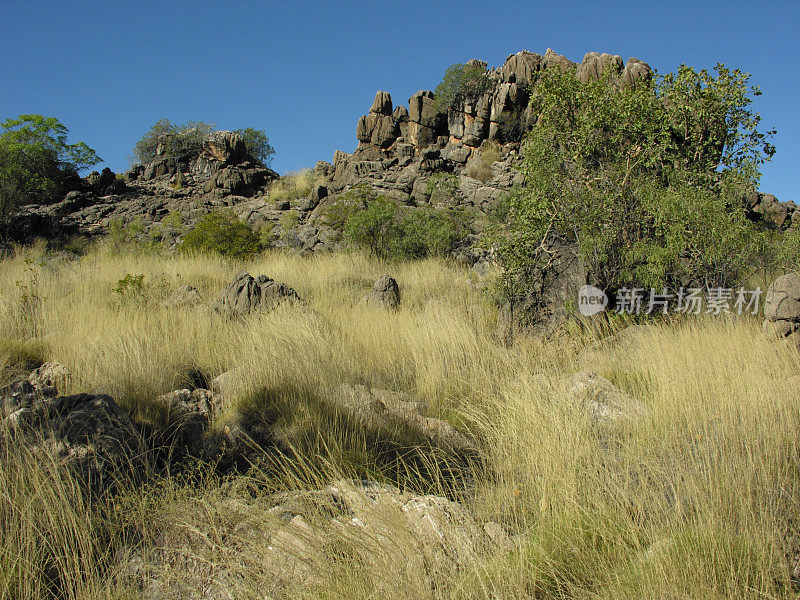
(130, 288)
(221, 233)
(36, 162)
(647, 182)
(374, 225)
(429, 231)
(176, 140)
(258, 145)
(387, 229)
(442, 188)
(460, 81)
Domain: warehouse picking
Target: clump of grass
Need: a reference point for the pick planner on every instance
(293, 186)
(481, 168)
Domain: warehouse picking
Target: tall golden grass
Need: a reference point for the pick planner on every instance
(696, 499)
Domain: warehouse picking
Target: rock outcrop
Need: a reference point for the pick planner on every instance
(290, 542)
(246, 294)
(782, 308)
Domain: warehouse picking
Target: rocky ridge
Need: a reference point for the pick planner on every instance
(400, 147)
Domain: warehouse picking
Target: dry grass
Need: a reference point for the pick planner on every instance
(692, 501)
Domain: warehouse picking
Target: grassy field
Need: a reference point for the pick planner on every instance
(697, 499)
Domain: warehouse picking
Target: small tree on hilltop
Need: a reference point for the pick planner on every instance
(460, 81)
(36, 161)
(258, 145)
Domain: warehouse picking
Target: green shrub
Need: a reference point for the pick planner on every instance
(460, 81)
(258, 145)
(130, 288)
(387, 229)
(177, 140)
(646, 182)
(221, 233)
(373, 226)
(428, 231)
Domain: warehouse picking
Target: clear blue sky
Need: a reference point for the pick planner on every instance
(305, 71)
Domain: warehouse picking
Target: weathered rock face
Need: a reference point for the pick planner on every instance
(385, 293)
(767, 209)
(246, 294)
(294, 537)
(88, 433)
(782, 308)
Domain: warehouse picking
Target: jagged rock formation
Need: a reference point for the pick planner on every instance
(476, 141)
(246, 294)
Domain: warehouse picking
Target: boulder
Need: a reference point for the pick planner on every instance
(385, 293)
(190, 415)
(49, 378)
(782, 301)
(596, 65)
(225, 147)
(297, 539)
(89, 434)
(246, 294)
(388, 410)
(521, 67)
(382, 105)
(186, 296)
(782, 309)
(603, 401)
(636, 70)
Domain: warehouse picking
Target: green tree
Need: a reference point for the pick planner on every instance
(222, 233)
(646, 182)
(373, 225)
(176, 140)
(460, 81)
(258, 145)
(36, 161)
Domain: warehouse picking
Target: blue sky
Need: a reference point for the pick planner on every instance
(305, 71)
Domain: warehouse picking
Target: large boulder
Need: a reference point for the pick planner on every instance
(385, 293)
(225, 147)
(596, 65)
(782, 308)
(246, 294)
(88, 433)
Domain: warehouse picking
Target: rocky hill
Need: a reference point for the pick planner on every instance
(400, 147)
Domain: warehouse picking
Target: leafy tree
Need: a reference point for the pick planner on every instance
(222, 233)
(460, 81)
(646, 182)
(258, 145)
(387, 229)
(175, 140)
(36, 161)
(374, 225)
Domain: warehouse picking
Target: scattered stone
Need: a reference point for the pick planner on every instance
(604, 401)
(385, 293)
(186, 296)
(246, 294)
